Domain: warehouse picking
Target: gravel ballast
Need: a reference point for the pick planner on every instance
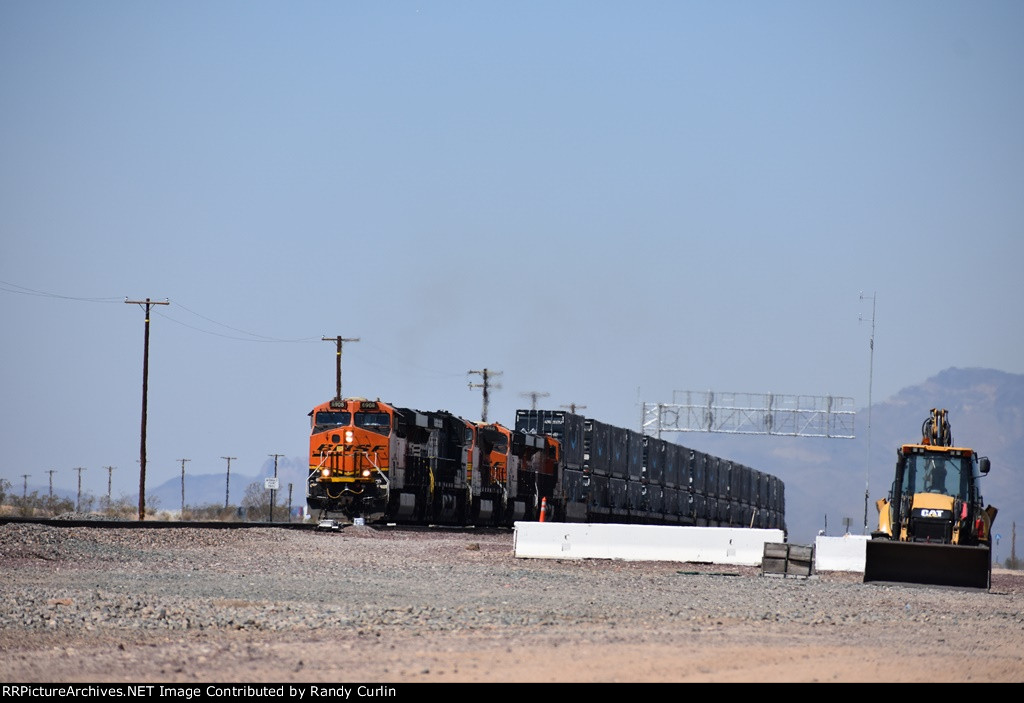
(389, 605)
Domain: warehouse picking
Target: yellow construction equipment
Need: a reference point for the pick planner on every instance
(933, 528)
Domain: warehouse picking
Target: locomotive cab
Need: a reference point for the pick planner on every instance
(349, 456)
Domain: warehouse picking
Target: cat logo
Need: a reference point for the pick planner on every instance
(931, 513)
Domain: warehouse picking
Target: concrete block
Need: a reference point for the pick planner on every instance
(846, 553)
(713, 545)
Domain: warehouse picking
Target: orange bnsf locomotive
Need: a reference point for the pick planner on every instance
(374, 460)
(381, 462)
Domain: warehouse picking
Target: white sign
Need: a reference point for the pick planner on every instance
(271, 484)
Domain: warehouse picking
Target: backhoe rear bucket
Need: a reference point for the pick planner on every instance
(928, 563)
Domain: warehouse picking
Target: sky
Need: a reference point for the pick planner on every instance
(600, 202)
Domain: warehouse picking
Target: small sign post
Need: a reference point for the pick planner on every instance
(271, 484)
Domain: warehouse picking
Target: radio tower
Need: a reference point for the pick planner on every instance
(871, 373)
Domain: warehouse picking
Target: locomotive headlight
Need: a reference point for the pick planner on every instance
(366, 473)
(348, 436)
(326, 473)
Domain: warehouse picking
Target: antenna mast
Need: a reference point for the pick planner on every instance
(871, 373)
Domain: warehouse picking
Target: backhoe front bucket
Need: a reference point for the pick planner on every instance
(928, 563)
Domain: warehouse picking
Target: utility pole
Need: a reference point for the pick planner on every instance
(145, 392)
(227, 480)
(338, 341)
(871, 373)
(51, 472)
(1013, 544)
(533, 395)
(273, 491)
(289, 502)
(24, 486)
(183, 487)
(485, 374)
(110, 476)
(78, 505)
(572, 407)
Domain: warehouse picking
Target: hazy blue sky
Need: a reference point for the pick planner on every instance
(605, 201)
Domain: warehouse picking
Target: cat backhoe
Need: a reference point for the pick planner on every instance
(933, 528)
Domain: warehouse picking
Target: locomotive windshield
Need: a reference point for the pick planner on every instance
(494, 440)
(937, 473)
(375, 422)
(326, 420)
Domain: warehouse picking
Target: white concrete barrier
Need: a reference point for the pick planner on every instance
(715, 545)
(847, 553)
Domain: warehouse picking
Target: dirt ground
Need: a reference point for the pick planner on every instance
(906, 635)
(725, 653)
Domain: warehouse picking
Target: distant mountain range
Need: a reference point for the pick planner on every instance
(825, 478)
(213, 489)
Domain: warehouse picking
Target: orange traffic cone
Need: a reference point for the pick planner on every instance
(543, 508)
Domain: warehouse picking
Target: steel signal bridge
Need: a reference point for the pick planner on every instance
(751, 413)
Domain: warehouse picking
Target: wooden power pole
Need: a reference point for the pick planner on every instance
(339, 340)
(145, 392)
(485, 374)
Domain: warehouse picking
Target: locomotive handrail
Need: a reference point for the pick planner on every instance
(376, 467)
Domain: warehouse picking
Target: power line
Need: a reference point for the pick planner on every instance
(247, 338)
(382, 352)
(9, 287)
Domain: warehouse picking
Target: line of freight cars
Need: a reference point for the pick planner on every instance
(612, 474)
(386, 463)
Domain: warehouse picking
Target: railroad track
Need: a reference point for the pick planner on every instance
(230, 525)
(149, 524)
